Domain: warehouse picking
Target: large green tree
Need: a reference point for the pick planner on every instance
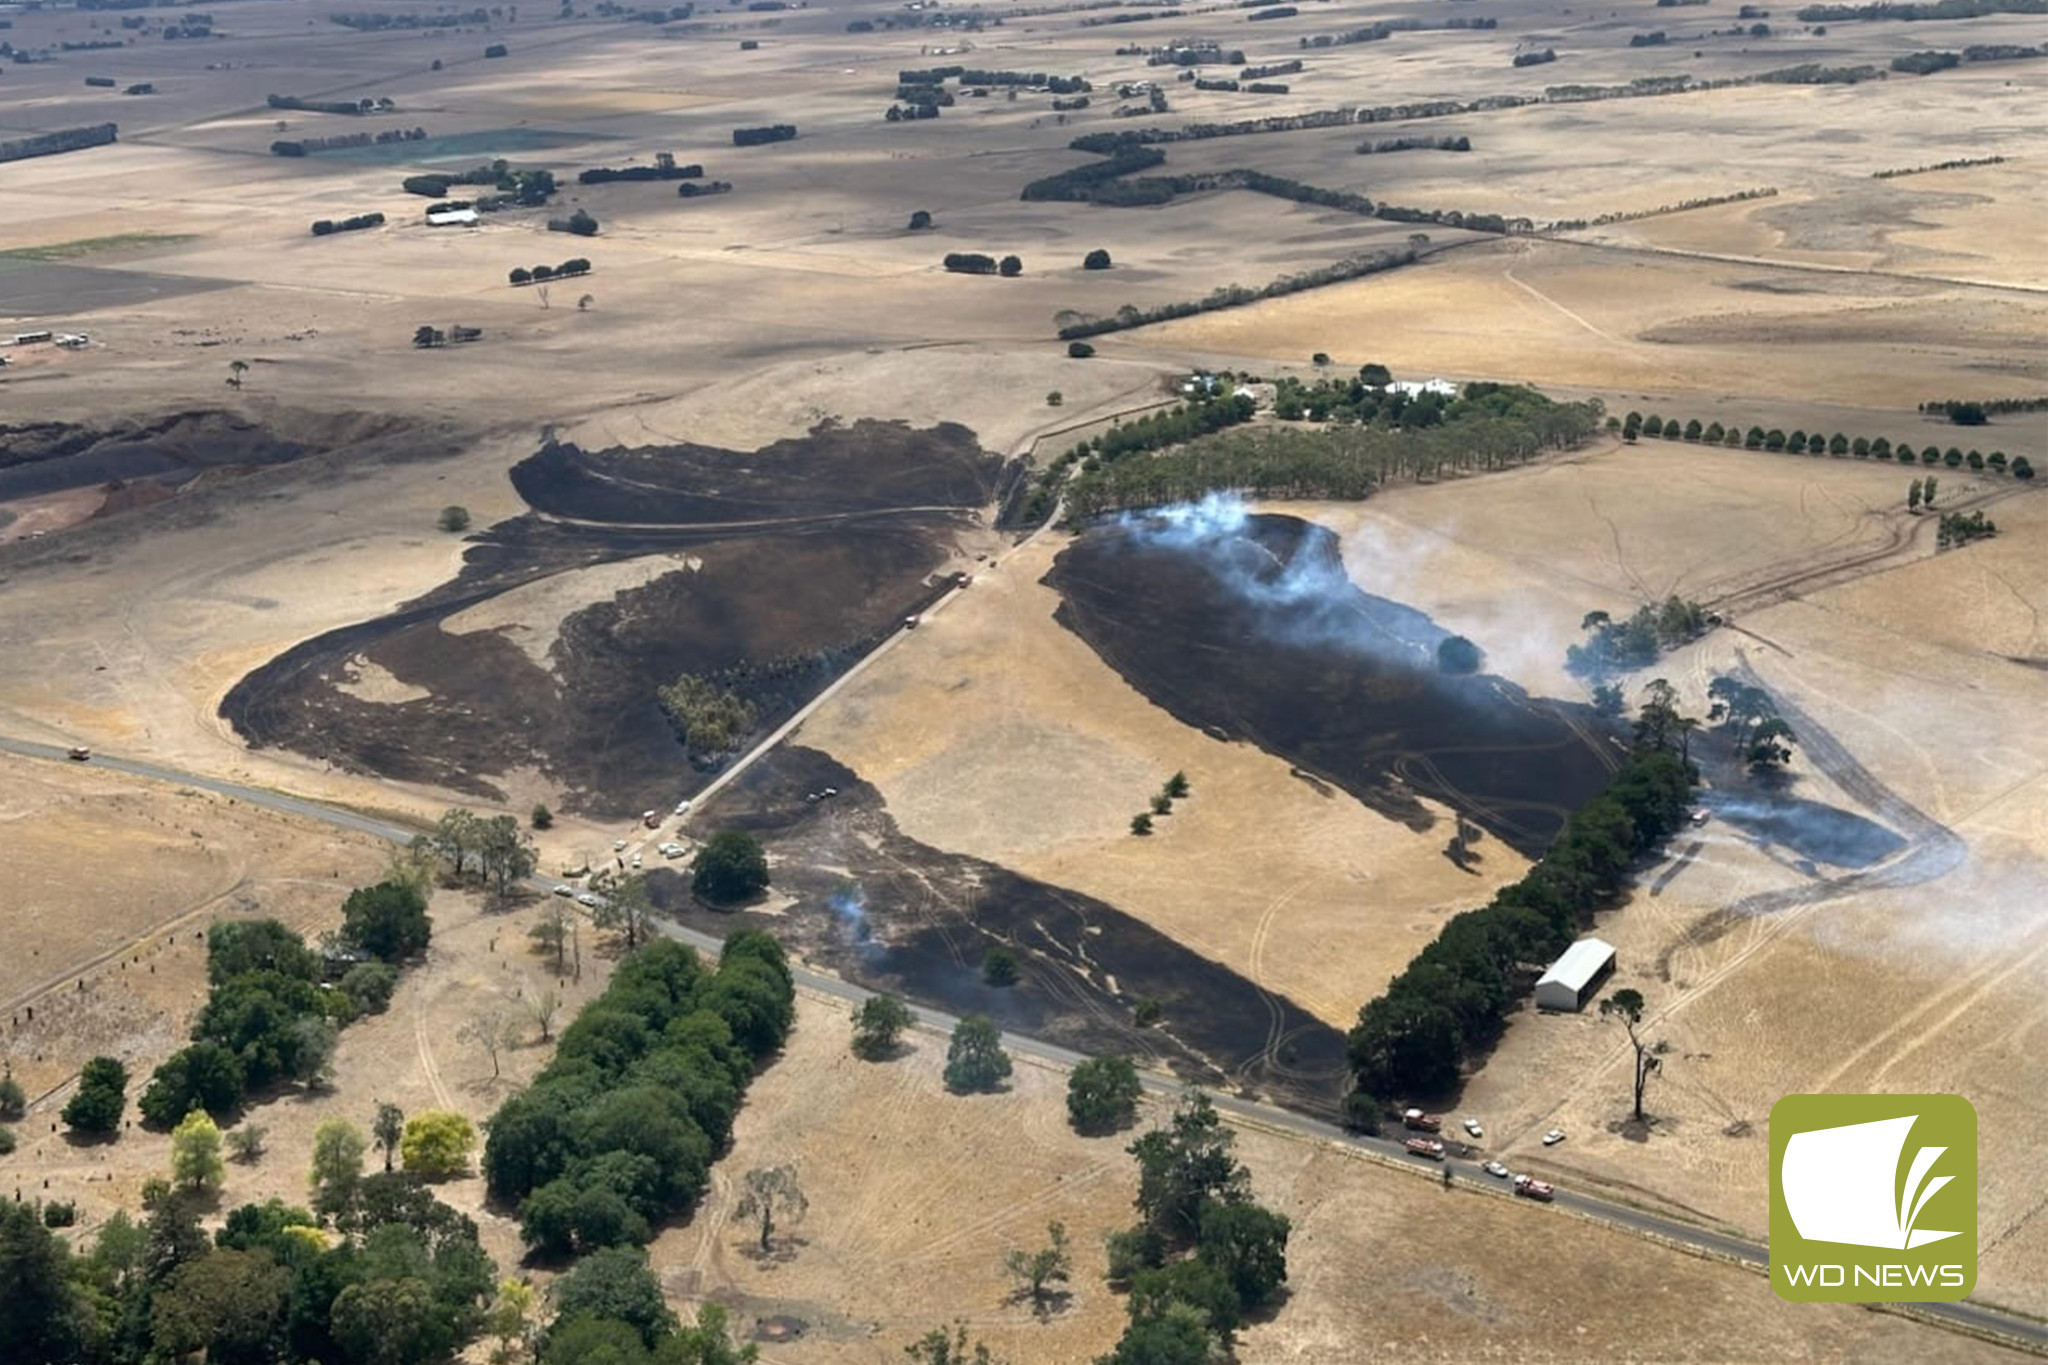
(230, 1304)
(616, 1283)
(1102, 1094)
(102, 1096)
(387, 921)
(730, 867)
(975, 1059)
(1185, 1164)
(878, 1026)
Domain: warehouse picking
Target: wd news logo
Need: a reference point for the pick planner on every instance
(1873, 1198)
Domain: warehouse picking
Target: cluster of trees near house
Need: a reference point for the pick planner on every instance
(1975, 412)
(1802, 442)
(366, 105)
(527, 187)
(323, 227)
(307, 146)
(1954, 164)
(618, 1132)
(1494, 428)
(664, 168)
(1451, 1002)
(1637, 640)
(1236, 296)
(61, 140)
(267, 1020)
(978, 263)
(1935, 9)
(541, 274)
(1207, 413)
(754, 137)
(1459, 143)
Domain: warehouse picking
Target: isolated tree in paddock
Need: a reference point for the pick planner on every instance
(921, 220)
(541, 1007)
(936, 1348)
(388, 1130)
(1627, 1006)
(1913, 496)
(553, 929)
(1768, 744)
(730, 867)
(1043, 1269)
(771, 1197)
(437, 1144)
(999, 967)
(878, 1025)
(493, 1031)
(337, 1166)
(624, 905)
(195, 1153)
(1102, 1094)
(1010, 267)
(975, 1059)
(236, 369)
(1098, 259)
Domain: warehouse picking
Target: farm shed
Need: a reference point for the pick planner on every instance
(1571, 978)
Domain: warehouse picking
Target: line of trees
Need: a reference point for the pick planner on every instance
(664, 168)
(1259, 73)
(1935, 9)
(325, 226)
(1155, 431)
(978, 263)
(1451, 1002)
(1549, 54)
(1236, 296)
(1459, 143)
(619, 1131)
(1977, 410)
(541, 274)
(370, 23)
(754, 137)
(1802, 442)
(1955, 164)
(61, 140)
(366, 105)
(307, 146)
(1195, 54)
(694, 190)
(1682, 206)
(579, 224)
(526, 187)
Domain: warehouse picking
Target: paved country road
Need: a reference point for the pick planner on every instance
(2026, 1333)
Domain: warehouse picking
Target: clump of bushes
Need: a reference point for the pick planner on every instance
(325, 227)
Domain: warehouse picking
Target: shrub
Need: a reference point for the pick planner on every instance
(60, 1213)
(1102, 1094)
(6, 1142)
(368, 985)
(999, 967)
(921, 221)
(1097, 259)
(1011, 267)
(102, 1097)
(13, 1099)
(454, 518)
(1079, 350)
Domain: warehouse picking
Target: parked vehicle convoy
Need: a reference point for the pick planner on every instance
(1427, 1123)
(1530, 1188)
(1429, 1148)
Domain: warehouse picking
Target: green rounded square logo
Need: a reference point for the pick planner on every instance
(1873, 1198)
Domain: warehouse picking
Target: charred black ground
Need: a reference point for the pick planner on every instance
(835, 470)
(1251, 630)
(780, 605)
(881, 909)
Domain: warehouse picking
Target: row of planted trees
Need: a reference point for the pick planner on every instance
(1802, 442)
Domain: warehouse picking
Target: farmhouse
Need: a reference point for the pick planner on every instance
(1571, 978)
(1415, 388)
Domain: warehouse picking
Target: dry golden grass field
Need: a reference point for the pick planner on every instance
(129, 607)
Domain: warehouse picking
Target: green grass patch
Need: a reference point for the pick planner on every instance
(93, 246)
